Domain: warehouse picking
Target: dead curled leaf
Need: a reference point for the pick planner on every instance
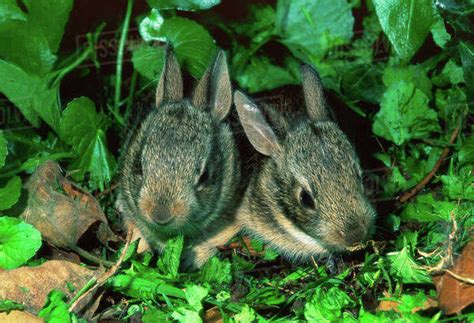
(453, 293)
(30, 286)
(19, 316)
(62, 211)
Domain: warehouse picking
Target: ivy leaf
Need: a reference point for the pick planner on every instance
(187, 5)
(427, 209)
(415, 73)
(404, 114)
(406, 23)
(405, 268)
(192, 44)
(10, 193)
(3, 149)
(148, 61)
(170, 259)
(310, 28)
(83, 129)
(19, 241)
(30, 94)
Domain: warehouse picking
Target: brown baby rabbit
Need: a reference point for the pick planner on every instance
(306, 197)
(180, 168)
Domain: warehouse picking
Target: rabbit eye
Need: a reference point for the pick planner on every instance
(306, 200)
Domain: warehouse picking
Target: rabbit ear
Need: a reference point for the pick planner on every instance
(215, 89)
(313, 94)
(258, 131)
(170, 87)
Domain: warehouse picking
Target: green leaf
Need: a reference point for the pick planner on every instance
(466, 152)
(170, 259)
(50, 18)
(247, 314)
(216, 272)
(405, 268)
(404, 114)
(10, 305)
(406, 23)
(9, 10)
(327, 305)
(193, 45)
(10, 193)
(3, 149)
(30, 94)
(148, 61)
(153, 315)
(466, 51)
(56, 309)
(184, 315)
(427, 209)
(451, 74)
(83, 129)
(459, 186)
(259, 24)
(190, 5)
(440, 35)
(451, 103)
(194, 295)
(19, 241)
(260, 75)
(414, 73)
(310, 28)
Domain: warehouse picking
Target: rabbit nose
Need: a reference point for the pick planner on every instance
(162, 215)
(354, 233)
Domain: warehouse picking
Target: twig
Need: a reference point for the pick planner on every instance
(107, 191)
(105, 276)
(408, 195)
(92, 258)
(461, 278)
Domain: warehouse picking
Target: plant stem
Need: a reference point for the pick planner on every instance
(123, 38)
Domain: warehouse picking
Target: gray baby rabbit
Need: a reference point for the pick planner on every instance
(180, 168)
(306, 197)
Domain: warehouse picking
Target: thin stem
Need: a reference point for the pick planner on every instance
(26, 165)
(123, 37)
(131, 94)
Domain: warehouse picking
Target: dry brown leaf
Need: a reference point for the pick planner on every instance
(389, 305)
(453, 293)
(30, 286)
(213, 315)
(61, 211)
(19, 317)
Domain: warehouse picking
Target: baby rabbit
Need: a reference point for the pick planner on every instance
(180, 168)
(306, 197)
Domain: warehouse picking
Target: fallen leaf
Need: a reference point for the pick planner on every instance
(19, 316)
(213, 315)
(62, 211)
(30, 286)
(454, 294)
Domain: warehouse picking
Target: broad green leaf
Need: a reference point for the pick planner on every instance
(459, 186)
(26, 46)
(466, 153)
(411, 73)
(30, 94)
(363, 82)
(148, 61)
(153, 315)
(404, 114)
(406, 269)
(310, 28)
(260, 75)
(259, 24)
(216, 272)
(451, 103)
(10, 193)
(451, 74)
(406, 23)
(50, 18)
(427, 209)
(169, 261)
(9, 10)
(3, 149)
(83, 129)
(193, 45)
(56, 309)
(466, 51)
(440, 35)
(247, 314)
(327, 305)
(19, 241)
(194, 295)
(190, 5)
(183, 315)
